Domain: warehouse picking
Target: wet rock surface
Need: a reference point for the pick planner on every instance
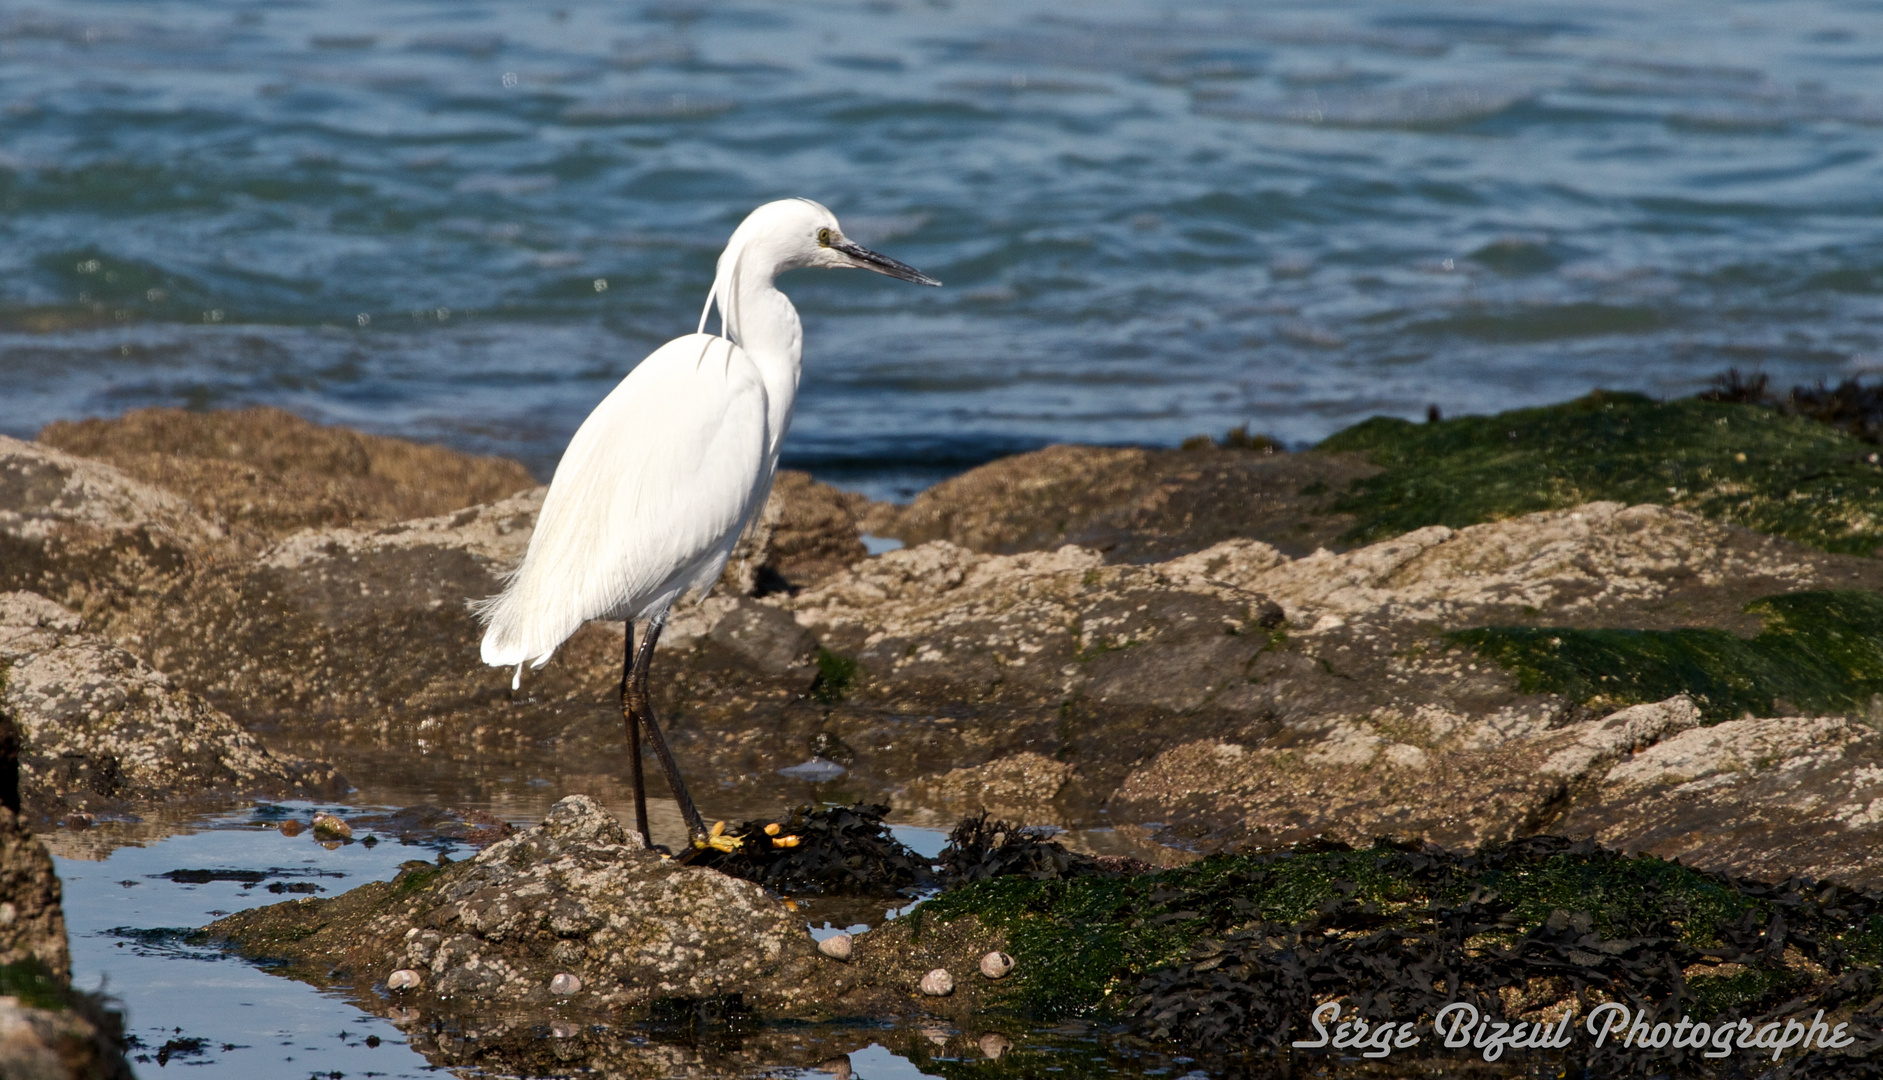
(577, 895)
(273, 473)
(102, 732)
(1131, 504)
(32, 926)
(48, 1031)
(640, 935)
(1181, 670)
(90, 536)
(1235, 694)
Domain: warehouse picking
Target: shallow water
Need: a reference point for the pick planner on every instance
(465, 220)
(125, 920)
(191, 1005)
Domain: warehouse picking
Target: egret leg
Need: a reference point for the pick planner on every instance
(639, 709)
(633, 723)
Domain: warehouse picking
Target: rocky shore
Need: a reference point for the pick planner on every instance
(1656, 626)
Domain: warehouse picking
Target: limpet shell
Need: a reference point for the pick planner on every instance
(938, 983)
(837, 946)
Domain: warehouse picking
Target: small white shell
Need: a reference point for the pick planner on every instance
(565, 984)
(996, 965)
(938, 983)
(836, 946)
(402, 979)
(994, 1044)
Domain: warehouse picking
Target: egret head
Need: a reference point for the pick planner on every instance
(793, 233)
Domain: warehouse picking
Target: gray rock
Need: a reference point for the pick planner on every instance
(59, 1044)
(103, 732)
(764, 641)
(1764, 798)
(575, 896)
(1132, 505)
(90, 537)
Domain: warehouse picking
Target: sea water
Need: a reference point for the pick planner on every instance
(464, 221)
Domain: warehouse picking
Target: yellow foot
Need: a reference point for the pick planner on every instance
(718, 840)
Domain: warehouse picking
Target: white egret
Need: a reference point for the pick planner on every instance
(664, 475)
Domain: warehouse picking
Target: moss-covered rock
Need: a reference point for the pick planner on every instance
(1819, 652)
(32, 925)
(1779, 474)
(50, 1032)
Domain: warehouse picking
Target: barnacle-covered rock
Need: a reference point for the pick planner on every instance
(101, 731)
(577, 897)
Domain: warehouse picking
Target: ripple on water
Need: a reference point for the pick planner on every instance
(397, 219)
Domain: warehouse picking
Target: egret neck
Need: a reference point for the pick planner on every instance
(760, 319)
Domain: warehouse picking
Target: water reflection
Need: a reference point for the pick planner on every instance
(134, 893)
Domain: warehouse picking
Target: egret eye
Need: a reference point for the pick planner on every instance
(823, 238)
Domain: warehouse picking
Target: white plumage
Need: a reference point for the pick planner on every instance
(647, 502)
(664, 475)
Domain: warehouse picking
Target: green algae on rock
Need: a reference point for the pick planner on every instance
(1820, 652)
(1782, 475)
(1226, 957)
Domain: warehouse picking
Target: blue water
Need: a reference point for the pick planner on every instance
(226, 1018)
(252, 1025)
(464, 220)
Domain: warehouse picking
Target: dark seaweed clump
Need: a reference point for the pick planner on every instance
(1767, 469)
(981, 848)
(1226, 957)
(1818, 653)
(841, 850)
(1851, 405)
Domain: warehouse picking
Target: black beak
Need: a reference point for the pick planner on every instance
(882, 264)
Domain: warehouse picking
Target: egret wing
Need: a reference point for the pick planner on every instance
(654, 488)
